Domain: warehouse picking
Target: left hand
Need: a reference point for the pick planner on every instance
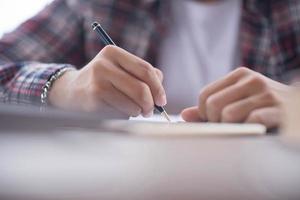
(242, 96)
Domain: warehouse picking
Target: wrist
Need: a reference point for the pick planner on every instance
(59, 90)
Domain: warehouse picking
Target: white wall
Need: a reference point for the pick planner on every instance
(13, 12)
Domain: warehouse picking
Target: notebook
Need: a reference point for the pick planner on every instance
(157, 126)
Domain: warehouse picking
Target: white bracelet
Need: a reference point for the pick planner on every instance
(47, 87)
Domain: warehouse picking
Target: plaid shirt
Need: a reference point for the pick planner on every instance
(60, 36)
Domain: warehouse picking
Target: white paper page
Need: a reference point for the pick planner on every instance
(158, 126)
(158, 118)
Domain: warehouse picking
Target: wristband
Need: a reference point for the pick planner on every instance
(47, 87)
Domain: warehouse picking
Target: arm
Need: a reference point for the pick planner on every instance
(115, 81)
(36, 50)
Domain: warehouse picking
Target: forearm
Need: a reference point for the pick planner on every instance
(22, 83)
(35, 41)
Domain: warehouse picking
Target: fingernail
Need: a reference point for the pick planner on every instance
(162, 100)
(150, 114)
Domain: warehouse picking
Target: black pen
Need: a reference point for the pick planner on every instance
(108, 41)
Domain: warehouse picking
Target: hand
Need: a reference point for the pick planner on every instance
(241, 96)
(114, 81)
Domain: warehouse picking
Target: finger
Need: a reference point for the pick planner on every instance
(139, 68)
(191, 114)
(136, 90)
(270, 117)
(240, 110)
(215, 87)
(121, 102)
(159, 74)
(218, 101)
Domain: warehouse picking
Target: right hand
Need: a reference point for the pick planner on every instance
(114, 81)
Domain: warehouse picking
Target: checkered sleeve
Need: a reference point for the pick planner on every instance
(22, 83)
(36, 50)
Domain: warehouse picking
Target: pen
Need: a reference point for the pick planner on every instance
(108, 41)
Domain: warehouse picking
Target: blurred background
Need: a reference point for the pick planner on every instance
(14, 12)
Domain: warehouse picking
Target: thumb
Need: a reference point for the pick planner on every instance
(191, 114)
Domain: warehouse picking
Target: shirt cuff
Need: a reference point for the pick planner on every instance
(27, 86)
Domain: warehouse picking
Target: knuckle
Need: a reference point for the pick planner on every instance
(108, 50)
(99, 66)
(203, 96)
(160, 74)
(256, 117)
(213, 110)
(242, 71)
(228, 115)
(270, 96)
(149, 71)
(212, 103)
(94, 68)
(256, 81)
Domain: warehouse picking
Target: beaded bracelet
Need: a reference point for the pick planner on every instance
(47, 87)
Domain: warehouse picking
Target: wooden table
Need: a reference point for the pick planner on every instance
(87, 165)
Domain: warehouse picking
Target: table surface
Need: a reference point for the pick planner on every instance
(81, 164)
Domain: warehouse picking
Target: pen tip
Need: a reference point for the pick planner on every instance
(165, 115)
